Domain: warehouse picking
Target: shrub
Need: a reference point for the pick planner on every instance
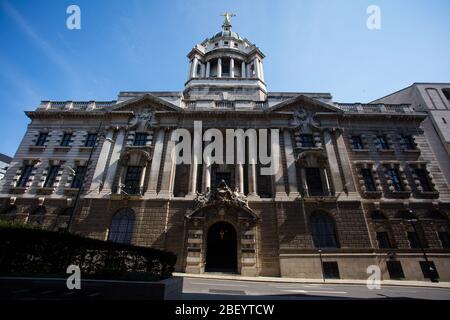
(31, 251)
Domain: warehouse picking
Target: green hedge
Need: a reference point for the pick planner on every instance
(31, 251)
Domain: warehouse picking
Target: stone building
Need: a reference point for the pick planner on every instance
(4, 163)
(357, 184)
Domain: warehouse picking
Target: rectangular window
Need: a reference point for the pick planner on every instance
(395, 178)
(425, 183)
(445, 239)
(140, 139)
(25, 176)
(383, 240)
(414, 241)
(314, 181)
(65, 141)
(41, 139)
(381, 143)
(368, 180)
(408, 142)
(51, 176)
(429, 270)
(132, 180)
(395, 270)
(357, 143)
(331, 270)
(79, 176)
(90, 140)
(307, 141)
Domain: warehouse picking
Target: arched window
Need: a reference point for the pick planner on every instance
(323, 231)
(122, 225)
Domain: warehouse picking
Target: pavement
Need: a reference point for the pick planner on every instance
(222, 276)
(213, 288)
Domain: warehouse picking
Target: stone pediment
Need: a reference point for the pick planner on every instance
(147, 101)
(222, 196)
(304, 102)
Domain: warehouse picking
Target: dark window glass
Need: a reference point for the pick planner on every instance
(39, 211)
(395, 178)
(377, 215)
(446, 93)
(41, 139)
(423, 179)
(408, 142)
(395, 270)
(225, 67)
(132, 180)
(383, 240)
(331, 270)
(65, 141)
(414, 241)
(140, 139)
(225, 176)
(79, 176)
(368, 180)
(357, 142)
(51, 176)
(122, 225)
(314, 182)
(323, 231)
(381, 143)
(429, 270)
(445, 239)
(307, 141)
(90, 140)
(437, 215)
(25, 175)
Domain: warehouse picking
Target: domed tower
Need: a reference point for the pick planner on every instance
(225, 67)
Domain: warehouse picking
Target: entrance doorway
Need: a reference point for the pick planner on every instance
(221, 248)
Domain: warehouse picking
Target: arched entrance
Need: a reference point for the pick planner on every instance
(221, 251)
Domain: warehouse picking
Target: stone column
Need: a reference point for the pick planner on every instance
(194, 165)
(156, 163)
(202, 65)
(219, 68)
(304, 182)
(325, 181)
(261, 71)
(142, 180)
(206, 183)
(231, 67)
(99, 173)
(280, 190)
(345, 163)
(290, 164)
(120, 180)
(240, 177)
(333, 162)
(114, 160)
(243, 70)
(256, 66)
(208, 69)
(252, 184)
(168, 173)
(194, 68)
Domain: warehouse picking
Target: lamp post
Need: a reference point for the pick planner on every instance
(430, 268)
(80, 189)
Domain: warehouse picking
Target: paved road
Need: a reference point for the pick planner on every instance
(214, 289)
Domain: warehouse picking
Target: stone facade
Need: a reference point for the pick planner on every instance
(350, 178)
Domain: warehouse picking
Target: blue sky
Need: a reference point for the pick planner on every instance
(310, 46)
